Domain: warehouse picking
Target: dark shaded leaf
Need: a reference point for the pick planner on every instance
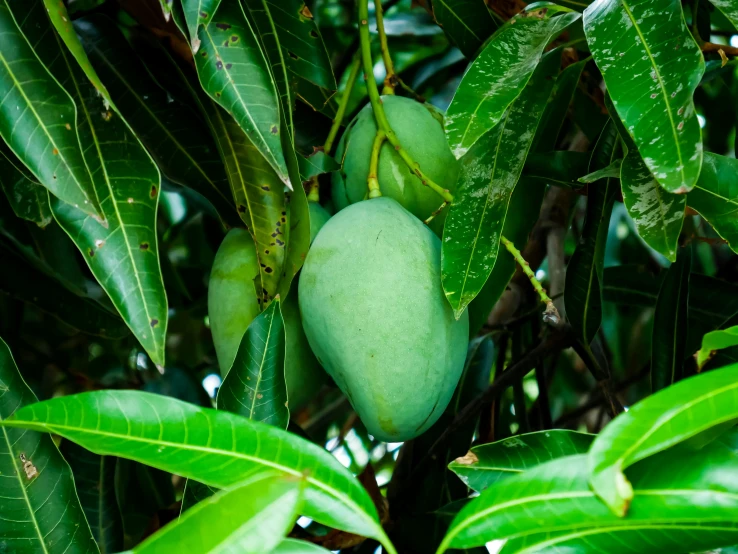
(28, 198)
(467, 22)
(316, 164)
(561, 168)
(196, 13)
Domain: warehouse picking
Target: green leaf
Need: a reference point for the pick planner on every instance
(174, 136)
(488, 464)
(40, 511)
(255, 386)
(234, 72)
(38, 118)
(716, 196)
(315, 164)
(611, 171)
(28, 199)
(39, 286)
(682, 503)
(195, 492)
(582, 292)
(651, 66)
(467, 22)
(716, 340)
(488, 176)
(729, 9)
(656, 423)
(188, 440)
(500, 72)
(293, 546)
(122, 253)
(670, 324)
(197, 13)
(249, 518)
(559, 168)
(94, 478)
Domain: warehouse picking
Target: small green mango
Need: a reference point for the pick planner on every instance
(419, 128)
(232, 306)
(376, 317)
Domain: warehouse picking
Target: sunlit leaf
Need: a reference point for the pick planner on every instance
(293, 546)
(651, 66)
(487, 464)
(467, 22)
(40, 511)
(656, 423)
(500, 72)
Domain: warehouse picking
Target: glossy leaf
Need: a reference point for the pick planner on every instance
(293, 546)
(651, 66)
(38, 118)
(716, 196)
(488, 464)
(40, 511)
(197, 13)
(467, 22)
(255, 385)
(249, 518)
(681, 504)
(500, 72)
(716, 340)
(729, 9)
(188, 440)
(235, 73)
(174, 136)
(28, 199)
(488, 176)
(656, 423)
(583, 292)
(94, 479)
(670, 324)
(122, 253)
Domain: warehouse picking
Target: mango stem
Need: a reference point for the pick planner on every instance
(434, 214)
(372, 180)
(551, 314)
(390, 81)
(378, 108)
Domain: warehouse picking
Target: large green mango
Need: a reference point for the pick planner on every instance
(377, 319)
(232, 306)
(420, 131)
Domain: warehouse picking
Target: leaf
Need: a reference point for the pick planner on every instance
(293, 546)
(582, 290)
(656, 423)
(94, 478)
(500, 72)
(651, 66)
(122, 253)
(24, 281)
(38, 118)
(299, 238)
(715, 196)
(188, 440)
(716, 340)
(195, 492)
(317, 163)
(255, 386)
(177, 140)
(40, 511)
(28, 199)
(682, 503)
(467, 22)
(249, 518)
(487, 179)
(729, 9)
(559, 167)
(197, 13)
(611, 171)
(488, 464)
(669, 342)
(235, 73)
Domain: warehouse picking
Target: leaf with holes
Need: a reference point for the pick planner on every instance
(488, 464)
(26, 196)
(234, 72)
(651, 66)
(254, 386)
(38, 118)
(197, 13)
(715, 196)
(488, 176)
(500, 72)
(40, 511)
(656, 423)
(174, 136)
(190, 441)
(467, 22)
(250, 518)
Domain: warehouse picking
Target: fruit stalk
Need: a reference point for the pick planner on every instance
(372, 181)
(390, 81)
(378, 109)
(551, 314)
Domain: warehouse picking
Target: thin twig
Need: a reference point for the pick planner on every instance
(435, 213)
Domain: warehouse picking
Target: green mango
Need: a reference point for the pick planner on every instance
(419, 127)
(377, 319)
(232, 306)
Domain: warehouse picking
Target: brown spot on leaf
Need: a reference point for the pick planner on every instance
(144, 246)
(234, 38)
(219, 65)
(91, 253)
(292, 55)
(279, 242)
(274, 130)
(305, 12)
(204, 54)
(154, 323)
(467, 459)
(241, 208)
(68, 127)
(217, 94)
(229, 65)
(153, 191)
(203, 15)
(223, 26)
(268, 270)
(28, 467)
(55, 152)
(265, 187)
(314, 34)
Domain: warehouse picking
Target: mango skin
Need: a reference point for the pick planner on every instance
(420, 131)
(233, 305)
(377, 319)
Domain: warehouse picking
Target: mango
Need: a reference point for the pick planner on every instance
(377, 319)
(419, 127)
(232, 306)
